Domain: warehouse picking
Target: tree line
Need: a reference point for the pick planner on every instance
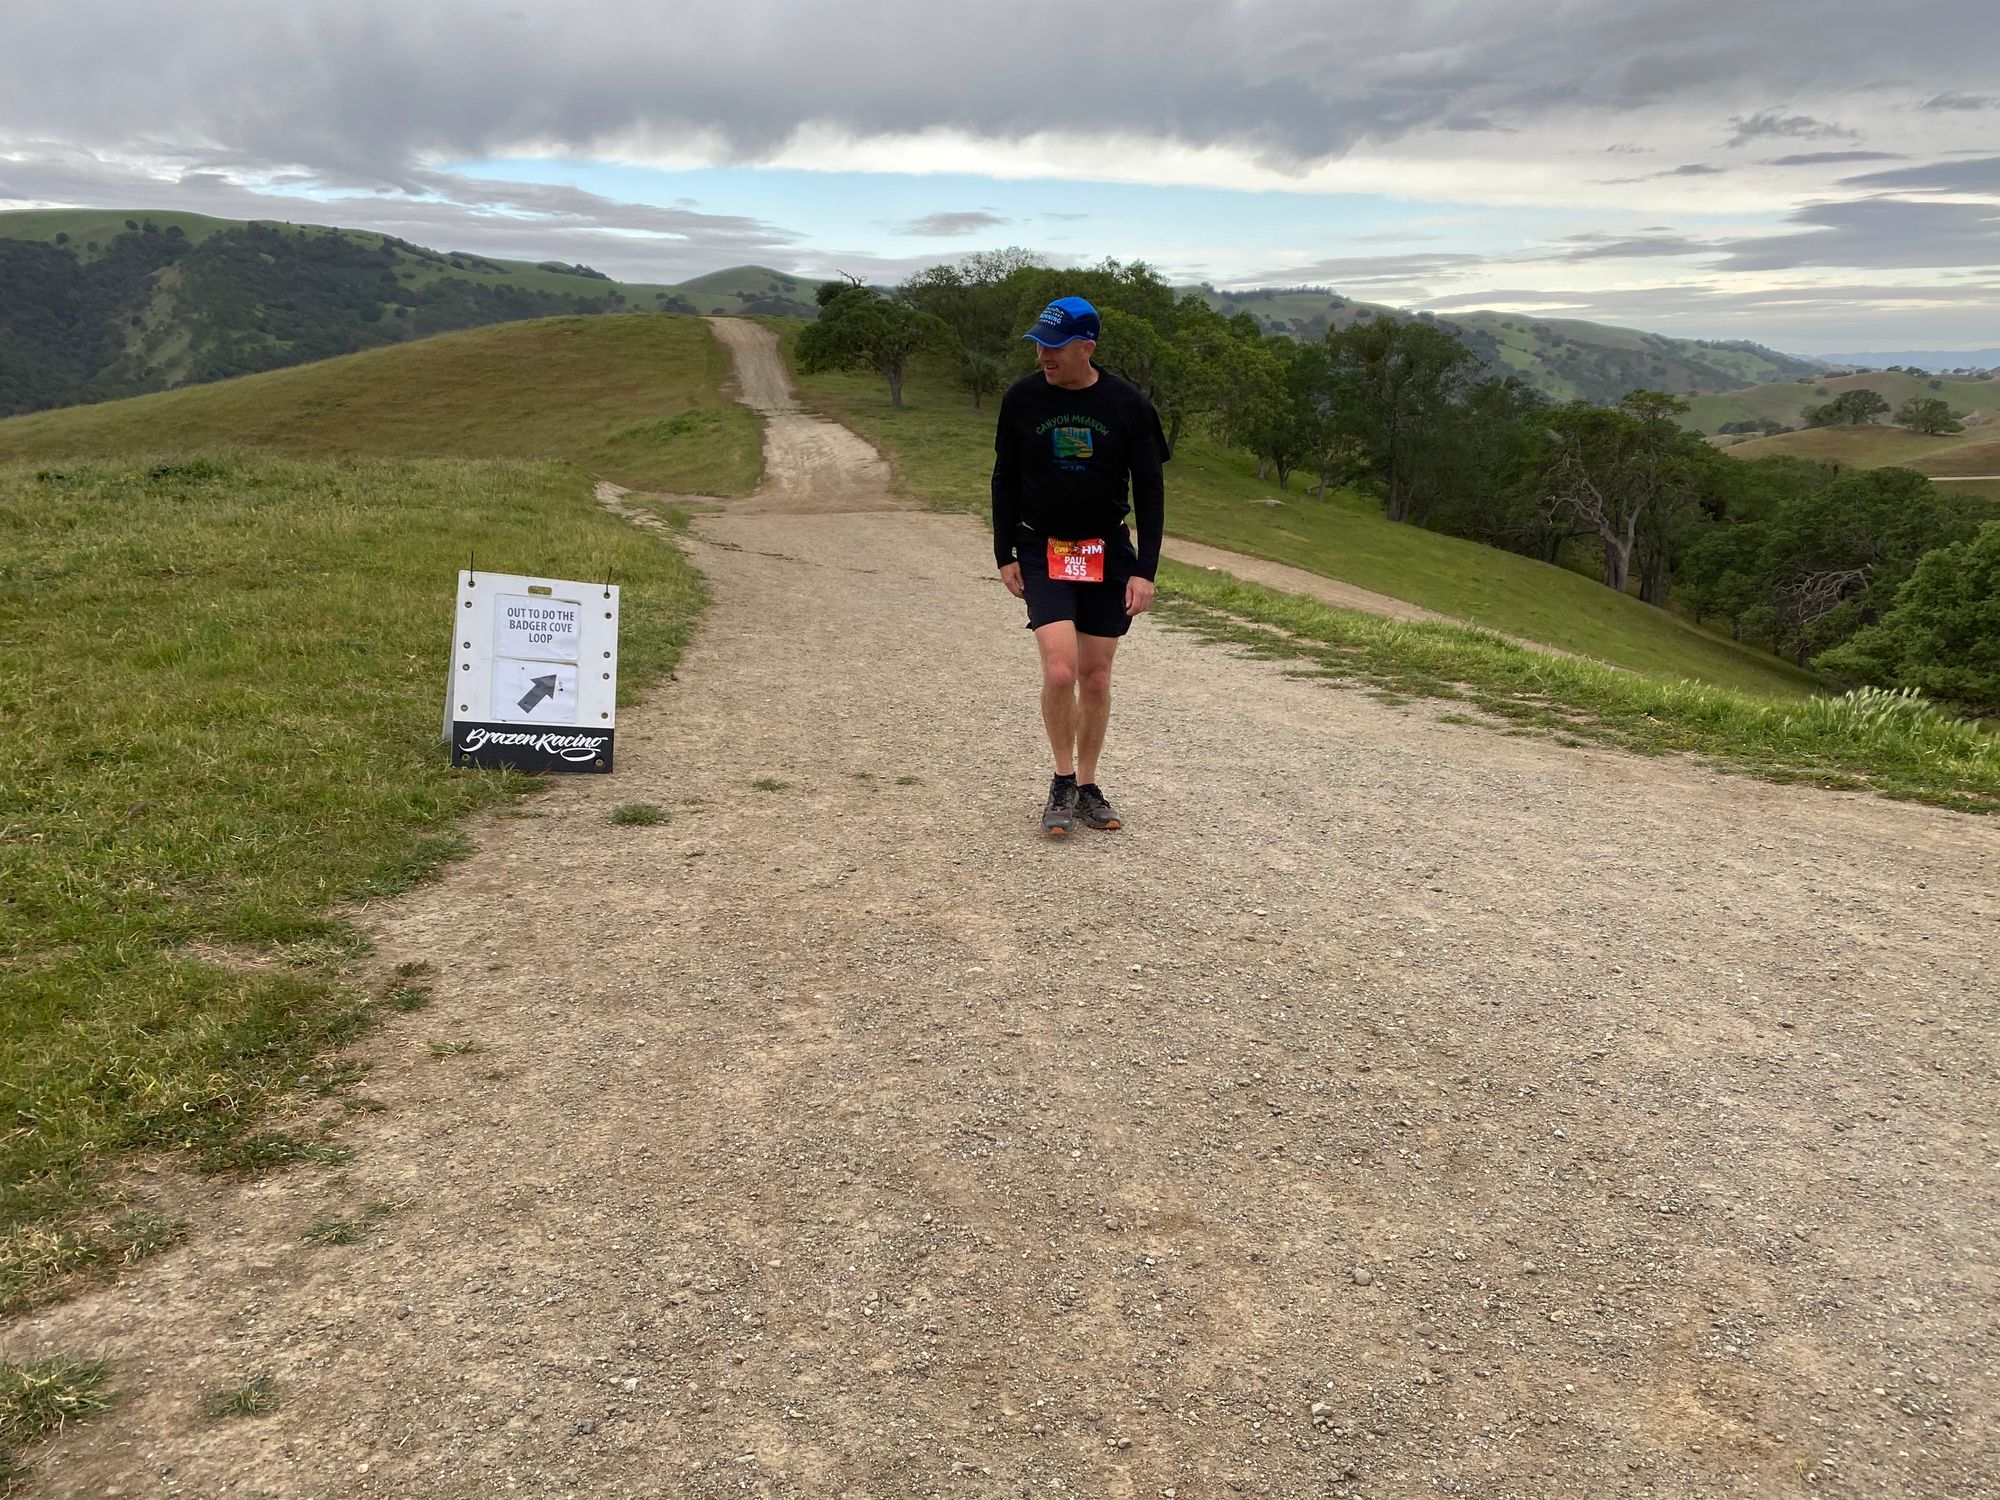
(1858, 573)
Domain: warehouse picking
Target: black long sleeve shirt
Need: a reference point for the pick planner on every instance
(1061, 461)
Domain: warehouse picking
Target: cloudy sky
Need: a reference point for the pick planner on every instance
(1818, 176)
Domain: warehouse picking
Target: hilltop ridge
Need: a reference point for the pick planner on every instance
(97, 304)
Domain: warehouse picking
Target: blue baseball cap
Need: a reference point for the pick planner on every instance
(1062, 321)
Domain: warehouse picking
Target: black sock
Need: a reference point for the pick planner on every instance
(1069, 776)
(1090, 786)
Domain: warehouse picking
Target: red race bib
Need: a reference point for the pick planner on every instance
(1076, 562)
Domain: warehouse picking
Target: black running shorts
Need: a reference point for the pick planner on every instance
(1094, 608)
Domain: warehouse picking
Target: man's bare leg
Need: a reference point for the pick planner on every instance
(1093, 701)
(1057, 642)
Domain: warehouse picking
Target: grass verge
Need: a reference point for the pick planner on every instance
(1874, 741)
(942, 450)
(219, 717)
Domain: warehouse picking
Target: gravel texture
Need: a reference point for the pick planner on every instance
(1392, 1108)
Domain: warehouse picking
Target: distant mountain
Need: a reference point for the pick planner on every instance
(1565, 359)
(97, 304)
(1923, 359)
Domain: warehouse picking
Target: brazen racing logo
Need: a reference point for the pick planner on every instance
(565, 746)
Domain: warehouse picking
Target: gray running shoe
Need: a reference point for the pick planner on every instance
(1059, 817)
(1093, 809)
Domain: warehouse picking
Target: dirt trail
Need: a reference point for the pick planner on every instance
(1392, 1109)
(810, 464)
(1298, 581)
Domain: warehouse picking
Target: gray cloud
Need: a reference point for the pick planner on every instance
(1637, 246)
(1831, 158)
(1769, 123)
(373, 88)
(1368, 270)
(1692, 169)
(1980, 175)
(1962, 101)
(884, 270)
(1797, 318)
(948, 224)
(1879, 233)
(1542, 298)
(1801, 319)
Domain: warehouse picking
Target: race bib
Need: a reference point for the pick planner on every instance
(1076, 562)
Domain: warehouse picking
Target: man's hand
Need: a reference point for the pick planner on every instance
(1138, 595)
(1010, 574)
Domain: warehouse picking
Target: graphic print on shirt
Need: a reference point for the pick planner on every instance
(1073, 442)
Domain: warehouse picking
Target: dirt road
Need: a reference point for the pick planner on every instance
(1392, 1109)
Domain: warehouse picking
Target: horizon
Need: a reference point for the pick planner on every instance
(1819, 179)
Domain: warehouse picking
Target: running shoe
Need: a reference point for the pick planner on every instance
(1093, 809)
(1059, 817)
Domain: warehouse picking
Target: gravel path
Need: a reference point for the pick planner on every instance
(1392, 1109)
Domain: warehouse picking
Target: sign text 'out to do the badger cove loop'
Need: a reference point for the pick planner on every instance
(534, 673)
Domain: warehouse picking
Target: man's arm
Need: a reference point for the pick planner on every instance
(1149, 488)
(1006, 487)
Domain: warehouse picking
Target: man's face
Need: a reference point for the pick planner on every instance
(1068, 365)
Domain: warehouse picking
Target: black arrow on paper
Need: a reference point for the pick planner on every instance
(545, 687)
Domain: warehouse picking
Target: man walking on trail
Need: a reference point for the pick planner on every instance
(1069, 438)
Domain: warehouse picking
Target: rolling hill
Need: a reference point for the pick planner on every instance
(631, 398)
(98, 304)
(1964, 460)
(1924, 359)
(1785, 401)
(1565, 359)
(1872, 446)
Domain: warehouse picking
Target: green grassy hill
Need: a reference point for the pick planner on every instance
(1785, 401)
(633, 398)
(740, 289)
(1565, 359)
(1873, 446)
(98, 304)
(942, 450)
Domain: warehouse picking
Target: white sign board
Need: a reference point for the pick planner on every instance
(534, 673)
